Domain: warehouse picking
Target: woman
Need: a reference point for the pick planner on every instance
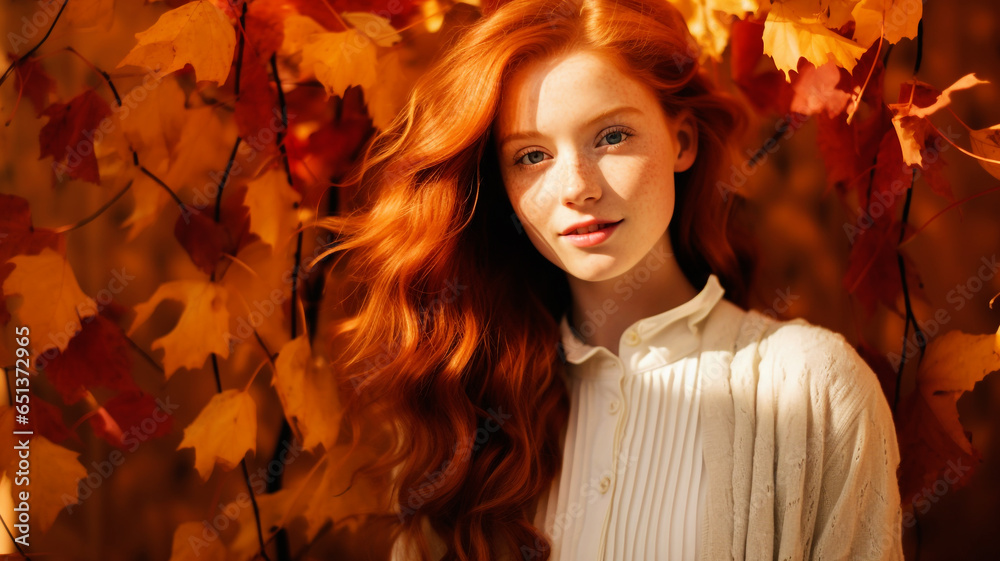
(547, 324)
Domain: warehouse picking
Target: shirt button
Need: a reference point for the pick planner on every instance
(632, 338)
(614, 406)
(605, 484)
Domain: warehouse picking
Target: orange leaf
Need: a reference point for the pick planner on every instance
(202, 329)
(308, 394)
(197, 33)
(224, 431)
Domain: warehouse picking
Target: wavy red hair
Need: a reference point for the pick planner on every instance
(450, 336)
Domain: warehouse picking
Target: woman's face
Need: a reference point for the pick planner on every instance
(578, 141)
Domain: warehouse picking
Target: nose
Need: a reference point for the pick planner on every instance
(579, 180)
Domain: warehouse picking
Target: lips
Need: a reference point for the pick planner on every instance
(588, 227)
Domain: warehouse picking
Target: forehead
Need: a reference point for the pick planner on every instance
(555, 92)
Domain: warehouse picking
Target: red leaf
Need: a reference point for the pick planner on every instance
(767, 91)
(205, 240)
(69, 135)
(18, 237)
(892, 175)
(257, 106)
(32, 81)
(927, 453)
(131, 416)
(97, 356)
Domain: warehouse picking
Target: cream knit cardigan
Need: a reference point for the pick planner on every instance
(799, 444)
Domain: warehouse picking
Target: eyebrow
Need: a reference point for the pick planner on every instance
(603, 115)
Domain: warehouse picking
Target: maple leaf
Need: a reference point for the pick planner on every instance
(272, 509)
(197, 33)
(816, 90)
(224, 431)
(55, 473)
(374, 27)
(272, 203)
(931, 433)
(340, 59)
(767, 90)
(128, 412)
(912, 110)
(190, 544)
(789, 36)
(82, 14)
(19, 237)
(986, 143)
(202, 329)
(709, 21)
(336, 497)
(205, 240)
(97, 356)
(53, 302)
(69, 135)
(891, 19)
(308, 393)
(31, 79)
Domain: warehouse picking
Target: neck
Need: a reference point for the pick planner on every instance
(602, 310)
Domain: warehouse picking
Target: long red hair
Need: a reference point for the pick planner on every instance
(450, 335)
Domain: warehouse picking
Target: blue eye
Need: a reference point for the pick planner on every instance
(616, 136)
(531, 157)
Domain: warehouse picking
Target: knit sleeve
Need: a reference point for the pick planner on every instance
(858, 514)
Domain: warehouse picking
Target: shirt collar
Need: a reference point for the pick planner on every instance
(694, 310)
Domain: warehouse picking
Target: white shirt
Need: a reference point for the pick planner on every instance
(632, 483)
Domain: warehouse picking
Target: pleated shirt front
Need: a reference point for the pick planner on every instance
(632, 484)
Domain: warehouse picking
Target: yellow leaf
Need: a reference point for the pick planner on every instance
(986, 143)
(197, 33)
(374, 27)
(900, 18)
(193, 542)
(298, 29)
(202, 329)
(709, 21)
(389, 95)
(943, 100)
(951, 366)
(53, 302)
(341, 59)
(55, 475)
(223, 432)
(271, 201)
(789, 36)
(308, 393)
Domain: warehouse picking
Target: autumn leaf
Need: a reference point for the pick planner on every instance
(197, 33)
(308, 393)
(766, 89)
(709, 21)
(55, 473)
(816, 90)
(53, 302)
(97, 356)
(202, 329)
(69, 135)
(340, 59)
(82, 14)
(374, 27)
(986, 144)
(931, 436)
(891, 19)
(337, 497)
(19, 237)
(789, 36)
(953, 363)
(272, 203)
(224, 431)
(134, 413)
(206, 239)
(32, 81)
